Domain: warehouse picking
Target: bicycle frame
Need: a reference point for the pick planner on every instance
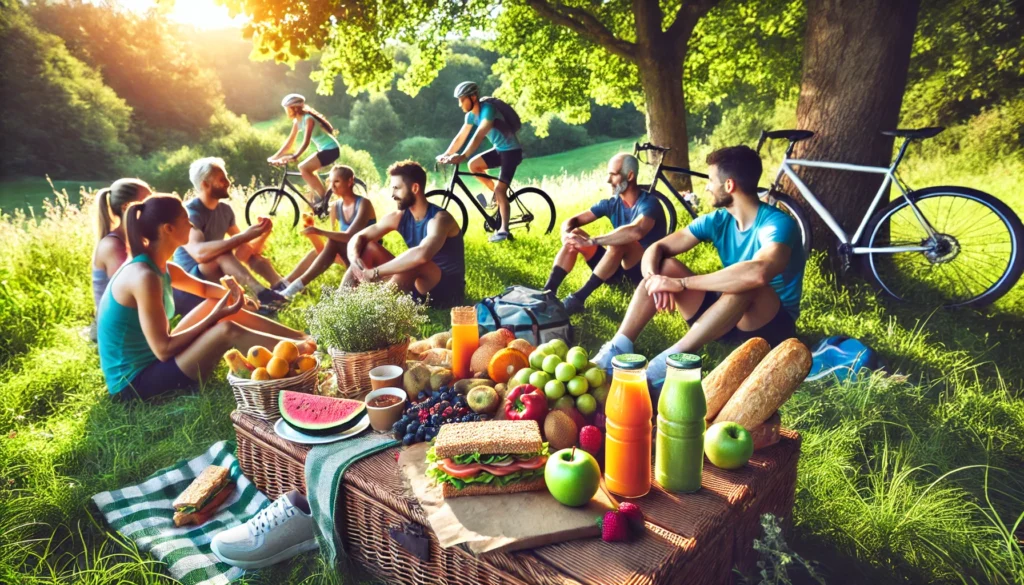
(457, 180)
(660, 174)
(786, 168)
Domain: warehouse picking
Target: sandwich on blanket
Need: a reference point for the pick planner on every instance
(490, 457)
(203, 496)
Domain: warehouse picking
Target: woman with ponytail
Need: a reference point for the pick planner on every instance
(112, 249)
(315, 128)
(139, 354)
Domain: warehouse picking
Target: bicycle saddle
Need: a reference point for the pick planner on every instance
(792, 135)
(915, 133)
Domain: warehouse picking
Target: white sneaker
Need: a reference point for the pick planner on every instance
(277, 533)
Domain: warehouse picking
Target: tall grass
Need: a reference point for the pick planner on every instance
(911, 476)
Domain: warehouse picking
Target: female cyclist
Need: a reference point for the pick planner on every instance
(315, 128)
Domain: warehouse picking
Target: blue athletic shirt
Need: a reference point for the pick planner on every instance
(770, 226)
(619, 214)
(500, 141)
(451, 258)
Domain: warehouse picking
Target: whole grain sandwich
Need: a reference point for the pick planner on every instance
(203, 496)
(485, 458)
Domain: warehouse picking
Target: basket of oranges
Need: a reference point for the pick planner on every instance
(258, 377)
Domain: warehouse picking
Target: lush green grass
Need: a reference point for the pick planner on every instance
(909, 477)
(28, 193)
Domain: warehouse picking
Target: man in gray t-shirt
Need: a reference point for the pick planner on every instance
(216, 246)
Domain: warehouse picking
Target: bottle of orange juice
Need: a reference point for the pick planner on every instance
(627, 445)
(465, 340)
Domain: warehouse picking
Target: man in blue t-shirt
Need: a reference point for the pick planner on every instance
(756, 294)
(506, 152)
(637, 221)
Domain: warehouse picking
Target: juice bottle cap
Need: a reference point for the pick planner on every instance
(684, 361)
(629, 361)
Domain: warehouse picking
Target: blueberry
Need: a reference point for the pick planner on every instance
(467, 418)
(444, 404)
(421, 433)
(484, 416)
(435, 420)
(412, 427)
(422, 395)
(409, 439)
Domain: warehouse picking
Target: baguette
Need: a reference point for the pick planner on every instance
(723, 381)
(450, 491)
(770, 385)
(488, 438)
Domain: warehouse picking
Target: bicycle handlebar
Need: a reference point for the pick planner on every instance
(637, 147)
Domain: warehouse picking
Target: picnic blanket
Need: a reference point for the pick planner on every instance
(143, 514)
(325, 466)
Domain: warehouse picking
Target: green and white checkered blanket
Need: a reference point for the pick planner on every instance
(143, 513)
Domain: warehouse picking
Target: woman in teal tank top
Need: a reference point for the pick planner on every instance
(139, 354)
(316, 129)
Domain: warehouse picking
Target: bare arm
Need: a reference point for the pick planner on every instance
(438, 230)
(626, 234)
(481, 133)
(110, 256)
(768, 263)
(670, 246)
(184, 281)
(578, 220)
(459, 140)
(361, 220)
(148, 294)
(203, 251)
(287, 143)
(372, 233)
(334, 217)
(305, 139)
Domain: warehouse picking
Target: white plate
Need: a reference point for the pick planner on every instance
(285, 431)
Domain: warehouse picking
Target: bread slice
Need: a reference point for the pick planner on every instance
(206, 483)
(450, 491)
(497, 437)
(201, 516)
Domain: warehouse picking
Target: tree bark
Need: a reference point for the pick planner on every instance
(661, 76)
(856, 56)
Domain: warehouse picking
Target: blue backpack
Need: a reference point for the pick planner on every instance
(842, 357)
(534, 315)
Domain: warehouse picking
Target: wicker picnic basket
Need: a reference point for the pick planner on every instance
(259, 397)
(352, 370)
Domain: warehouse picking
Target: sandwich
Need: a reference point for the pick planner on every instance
(485, 458)
(203, 496)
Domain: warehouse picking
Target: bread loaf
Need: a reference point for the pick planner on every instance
(770, 385)
(723, 381)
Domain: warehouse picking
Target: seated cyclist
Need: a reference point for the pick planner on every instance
(506, 152)
(315, 128)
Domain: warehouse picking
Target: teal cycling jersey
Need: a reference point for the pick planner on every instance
(321, 138)
(501, 141)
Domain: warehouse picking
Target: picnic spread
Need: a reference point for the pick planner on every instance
(475, 456)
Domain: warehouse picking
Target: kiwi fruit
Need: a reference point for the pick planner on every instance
(560, 430)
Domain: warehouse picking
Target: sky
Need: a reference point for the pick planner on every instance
(202, 14)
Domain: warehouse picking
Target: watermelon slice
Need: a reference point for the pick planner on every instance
(319, 415)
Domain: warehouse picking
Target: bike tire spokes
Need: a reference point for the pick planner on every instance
(531, 209)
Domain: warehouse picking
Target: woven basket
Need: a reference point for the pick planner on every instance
(259, 397)
(352, 370)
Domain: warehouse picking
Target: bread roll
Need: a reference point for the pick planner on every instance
(770, 385)
(723, 381)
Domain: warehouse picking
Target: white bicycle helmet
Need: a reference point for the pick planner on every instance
(292, 99)
(466, 88)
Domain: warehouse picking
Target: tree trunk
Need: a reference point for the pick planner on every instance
(661, 76)
(856, 55)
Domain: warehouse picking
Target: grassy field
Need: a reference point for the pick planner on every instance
(914, 476)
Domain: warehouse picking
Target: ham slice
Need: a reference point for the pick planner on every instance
(464, 471)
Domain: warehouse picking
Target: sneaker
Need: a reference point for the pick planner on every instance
(270, 298)
(500, 237)
(609, 350)
(280, 286)
(276, 533)
(572, 304)
(482, 199)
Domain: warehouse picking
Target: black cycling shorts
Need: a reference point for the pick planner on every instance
(622, 275)
(508, 160)
(326, 157)
(155, 379)
(780, 328)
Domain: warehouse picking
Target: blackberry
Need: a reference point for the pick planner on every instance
(408, 439)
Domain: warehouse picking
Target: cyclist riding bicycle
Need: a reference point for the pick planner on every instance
(488, 120)
(315, 128)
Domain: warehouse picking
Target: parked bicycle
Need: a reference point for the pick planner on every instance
(948, 246)
(529, 207)
(279, 202)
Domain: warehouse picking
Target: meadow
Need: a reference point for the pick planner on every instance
(911, 475)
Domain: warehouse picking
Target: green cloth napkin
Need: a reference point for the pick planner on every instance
(325, 466)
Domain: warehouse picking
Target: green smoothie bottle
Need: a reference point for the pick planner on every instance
(679, 457)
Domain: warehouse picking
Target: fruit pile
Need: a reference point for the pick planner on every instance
(262, 364)
(567, 377)
(425, 415)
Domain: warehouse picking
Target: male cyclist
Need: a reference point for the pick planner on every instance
(506, 152)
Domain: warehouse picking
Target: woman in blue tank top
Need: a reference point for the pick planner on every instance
(139, 354)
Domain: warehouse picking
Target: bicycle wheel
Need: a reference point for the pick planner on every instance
(974, 258)
(671, 219)
(531, 208)
(790, 207)
(448, 202)
(274, 203)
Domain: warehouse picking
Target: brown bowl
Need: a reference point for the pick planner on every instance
(383, 418)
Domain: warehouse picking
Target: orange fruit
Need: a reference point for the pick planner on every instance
(286, 350)
(259, 356)
(260, 374)
(305, 363)
(505, 363)
(277, 368)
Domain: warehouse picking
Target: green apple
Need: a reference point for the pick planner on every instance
(588, 366)
(554, 389)
(600, 394)
(559, 347)
(595, 377)
(577, 386)
(577, 356)
(572, 476)
(539, 378)
(551, 362)
(586, 404)
(564, 402)
(728, 445)
(521, 377)
(565, 371)
(537, 359)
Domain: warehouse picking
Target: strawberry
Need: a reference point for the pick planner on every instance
(591, 439)
(614, 527)
(631, 512)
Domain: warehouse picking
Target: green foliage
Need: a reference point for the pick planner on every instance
(418, 148)
(561, 137)
(365, 318)
(58, 116)
(144, 60)
(776, 558)
(374, 124)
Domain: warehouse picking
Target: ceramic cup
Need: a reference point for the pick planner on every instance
(383, 418)
(386, 377)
